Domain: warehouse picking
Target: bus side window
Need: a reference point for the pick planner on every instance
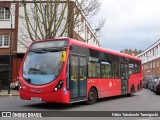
(115, 69)
(137, 68)
(67, 75)
(93, 69)
(106, 69)
(131, 68)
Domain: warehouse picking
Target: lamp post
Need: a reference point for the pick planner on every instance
(10, 52)
(94, 31)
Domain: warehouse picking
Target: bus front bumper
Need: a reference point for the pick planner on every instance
(57, 97)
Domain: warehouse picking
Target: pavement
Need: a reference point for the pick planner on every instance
(12, 93)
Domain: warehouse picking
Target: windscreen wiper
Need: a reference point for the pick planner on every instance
(55, 49)
(38, 51)
(35, 71)
(52, 49)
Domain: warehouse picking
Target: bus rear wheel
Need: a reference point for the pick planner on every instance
(92, 96)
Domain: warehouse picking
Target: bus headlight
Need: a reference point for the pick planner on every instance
(59, 85)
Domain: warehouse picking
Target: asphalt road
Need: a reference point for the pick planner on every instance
(142, 101)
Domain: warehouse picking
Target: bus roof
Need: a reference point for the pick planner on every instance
(103, 49)
(75, 42)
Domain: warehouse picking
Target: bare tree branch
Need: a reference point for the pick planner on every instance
(48, 19)
(90, 7)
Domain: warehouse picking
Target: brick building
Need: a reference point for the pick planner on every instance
(151, 60)
(8, 41)
(131, 52)
(10, 47)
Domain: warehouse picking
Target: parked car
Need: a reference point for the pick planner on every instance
(157, 87)
(154, 83)
(150, 83)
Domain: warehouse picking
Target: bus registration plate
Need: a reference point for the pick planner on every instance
(36, 99)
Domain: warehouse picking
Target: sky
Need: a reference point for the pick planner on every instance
(129, 24)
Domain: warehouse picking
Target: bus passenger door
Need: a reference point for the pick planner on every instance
(78, 78)
(124, 78)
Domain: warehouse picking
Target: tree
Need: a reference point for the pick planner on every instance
(91, 9)
(48, 19)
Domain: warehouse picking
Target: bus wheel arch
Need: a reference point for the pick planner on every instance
(132, 91)
(92, 95)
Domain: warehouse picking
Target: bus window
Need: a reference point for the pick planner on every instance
(106, 70)
(134, 67)
(115, 69)
(82, 74)
(137, 68)
(74, 76)
(93, 70)
(67, 74)
(42, 66)
(131, 68)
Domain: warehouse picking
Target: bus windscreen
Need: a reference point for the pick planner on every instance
(43, 64)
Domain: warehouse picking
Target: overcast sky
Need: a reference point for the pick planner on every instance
(130, 23)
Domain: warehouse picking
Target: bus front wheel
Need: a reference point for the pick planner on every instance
(92, 96)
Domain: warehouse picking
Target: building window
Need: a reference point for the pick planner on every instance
(154, 65)
(4, 14)
(4, 40)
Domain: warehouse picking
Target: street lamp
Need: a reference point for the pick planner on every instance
(10, 52)
(94, 31)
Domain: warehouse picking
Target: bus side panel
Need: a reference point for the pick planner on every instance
(135, 79)
(109, 87)
(105, 87)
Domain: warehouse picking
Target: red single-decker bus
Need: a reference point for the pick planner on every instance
(67, 71)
